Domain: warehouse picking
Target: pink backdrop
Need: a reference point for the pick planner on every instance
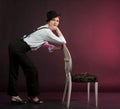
(92, 31)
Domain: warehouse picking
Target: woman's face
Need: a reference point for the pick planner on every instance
(54, 22)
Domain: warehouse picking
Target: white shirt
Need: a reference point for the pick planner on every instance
(36, 39)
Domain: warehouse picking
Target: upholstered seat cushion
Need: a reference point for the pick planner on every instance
(84, 77)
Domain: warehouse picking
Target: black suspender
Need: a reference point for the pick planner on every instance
(40, 28)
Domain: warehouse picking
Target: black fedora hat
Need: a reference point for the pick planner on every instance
(51, 14)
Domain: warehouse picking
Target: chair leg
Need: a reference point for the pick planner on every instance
(69, 91)
(65, 90)
(88, 91)
(96, 94)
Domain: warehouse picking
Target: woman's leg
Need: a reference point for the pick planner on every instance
(31, 74)
(13, 73)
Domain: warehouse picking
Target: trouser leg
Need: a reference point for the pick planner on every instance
(17, 55)
(31, 75)
(13, 74)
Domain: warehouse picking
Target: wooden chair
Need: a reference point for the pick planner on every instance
(77, 78)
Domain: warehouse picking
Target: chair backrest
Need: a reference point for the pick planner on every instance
(67, 59)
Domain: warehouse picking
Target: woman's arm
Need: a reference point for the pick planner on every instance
(57, 38)
(51, 47)
(59, 32)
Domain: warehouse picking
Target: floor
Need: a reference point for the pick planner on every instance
(78, 101)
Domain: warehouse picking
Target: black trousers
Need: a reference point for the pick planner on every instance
(18, 57)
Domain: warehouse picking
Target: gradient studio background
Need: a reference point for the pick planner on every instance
(92, 31)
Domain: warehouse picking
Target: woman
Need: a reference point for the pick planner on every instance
(17, 56)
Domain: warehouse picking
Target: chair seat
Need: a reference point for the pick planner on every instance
(84, 77)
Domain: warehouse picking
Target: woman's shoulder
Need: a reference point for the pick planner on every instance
(43, 27)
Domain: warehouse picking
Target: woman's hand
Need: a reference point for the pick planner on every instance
(55, 48)
(53, 28)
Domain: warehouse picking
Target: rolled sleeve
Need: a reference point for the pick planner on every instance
(51, 37)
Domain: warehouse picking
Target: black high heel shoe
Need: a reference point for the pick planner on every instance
(17, 100)
(31, 100)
